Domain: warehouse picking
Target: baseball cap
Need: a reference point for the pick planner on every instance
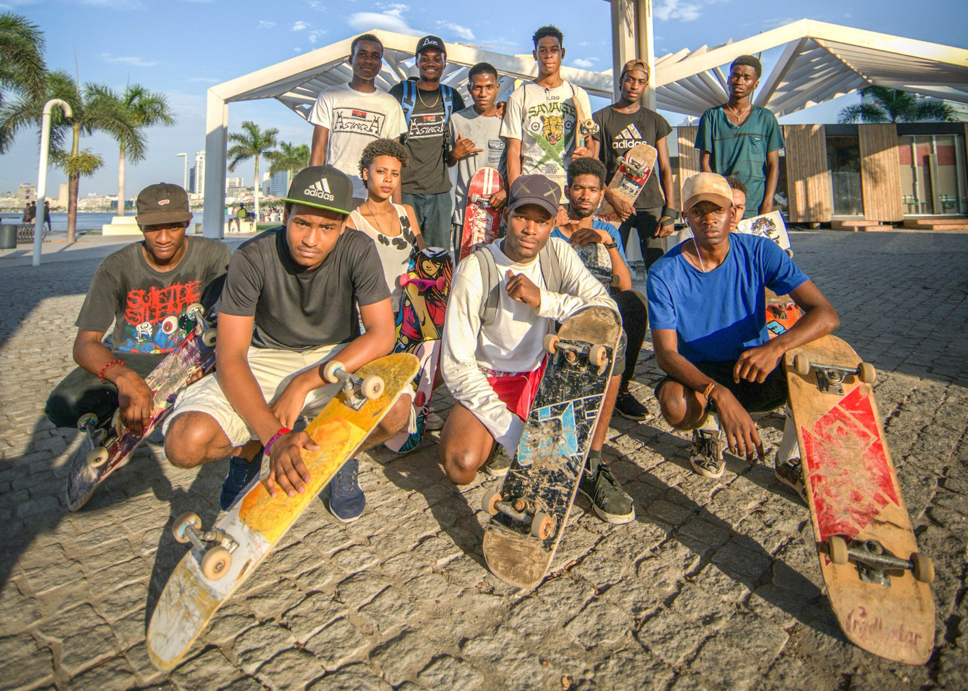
(431, 42)
(534, 189)
(635, 65)
(706, 187)
(322, 187)
(162, 203)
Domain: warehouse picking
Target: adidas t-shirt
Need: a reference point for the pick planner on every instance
(619, 132)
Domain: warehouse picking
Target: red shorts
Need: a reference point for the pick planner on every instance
(517, 389)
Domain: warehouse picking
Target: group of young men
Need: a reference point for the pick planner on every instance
(296, 296)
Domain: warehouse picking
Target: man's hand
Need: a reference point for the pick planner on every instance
(501, 107)
(741, 435)
(521, 289)
(581, 152)
(134, 401)
(464, 148)
(498, 200)
(587, 236)
(664, 231)
(621, 206)
(766, 207)
(562, 218)
(287, 471)
(756, 363)
(290, 402)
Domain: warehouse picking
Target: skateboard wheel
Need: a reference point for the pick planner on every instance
(491, 498)
(87, 419)
(801, 365)
(598, 356)
(441, 283)
(329, 371)
(195, 306)
(542, 525)
(208, 337)
(551, 343)
(923, 568)
(98, 457)
(182, 522)
(216, 563)
(404, 280)
(372, 387)
(837, 549)
(169, 325)
(867, 373)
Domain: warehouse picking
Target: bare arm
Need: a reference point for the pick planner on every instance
(320, 140)
(415, 227)
(620, 269)
(772, 176)
(704, 158)
(134, 396)
(513, 160)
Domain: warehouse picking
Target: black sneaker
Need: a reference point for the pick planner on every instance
(499, 463)
(707, 453)
(609, 500)
(346, 498)
(628, 405)
(790, 473)
(241, 473)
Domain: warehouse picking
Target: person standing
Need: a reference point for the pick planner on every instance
(623, 125)
(350, 116)
(741, 140)
(427, 107)
(541, 121)
(47, 215)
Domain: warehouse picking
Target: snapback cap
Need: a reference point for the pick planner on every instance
(706, 187)
(431, 42)
(322, 187)
(162, 203)
(634, 64)
(534, 189)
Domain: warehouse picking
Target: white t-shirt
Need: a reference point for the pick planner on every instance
(394, 250)
(354, 119)
(545, 122)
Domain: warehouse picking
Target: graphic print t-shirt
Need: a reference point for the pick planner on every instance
(545, 122)
(354, 119)
(427, 172)
(148, 307)
(619, 132)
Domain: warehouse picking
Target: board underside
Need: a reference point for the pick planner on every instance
(556, 439)
(257, 521)
(853, 492)
(481, 223)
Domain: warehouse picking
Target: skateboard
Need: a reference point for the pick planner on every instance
(530, 511)
(629, 180)
(107, 446)
(481, 222)
(420, 322)
(219, 560)
(586, 126)
(781, 311)
(877, 581)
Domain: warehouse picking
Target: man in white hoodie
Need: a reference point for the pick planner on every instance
(493, 357)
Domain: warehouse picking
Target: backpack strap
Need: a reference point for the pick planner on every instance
(550, 267)
(491, 283)
(407, 99)
(448, 94)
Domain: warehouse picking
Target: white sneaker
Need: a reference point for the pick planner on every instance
(433, 422)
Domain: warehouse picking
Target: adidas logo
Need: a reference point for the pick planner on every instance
(628, 138)
(319, 189)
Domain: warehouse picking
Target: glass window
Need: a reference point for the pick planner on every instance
(843, 161)
(933, 175)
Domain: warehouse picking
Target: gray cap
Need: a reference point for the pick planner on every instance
(534, 189)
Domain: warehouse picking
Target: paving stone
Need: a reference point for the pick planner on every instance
(671, 638)
(351, 678)
(450, 673)
(290, 669)
(634, 670)
(23, 661)
(402, 657)
(388, 610)
(337, 643)
(113, 675)
(600, 623)
(312, 614)
(260, 643)
(85, 638)
(210, 669)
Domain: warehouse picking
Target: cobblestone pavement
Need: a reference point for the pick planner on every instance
(713, 586)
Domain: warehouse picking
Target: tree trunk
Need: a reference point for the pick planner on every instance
(73, 185)
(121, 172)
(258, 186)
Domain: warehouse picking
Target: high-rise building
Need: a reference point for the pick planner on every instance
(191, 180)
(199, 176)
(278, 184)
(234, 182)
(26, 193)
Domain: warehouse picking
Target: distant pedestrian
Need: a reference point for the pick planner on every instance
(47, 216)
(31, 213)
(26, 217)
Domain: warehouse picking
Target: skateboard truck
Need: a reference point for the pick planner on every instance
(874, 562)
(216, 546)
(597, 354)
(542, 524)
(371, 387)
(97, 435)
(833, 375)
(203, 327)
(440, 283)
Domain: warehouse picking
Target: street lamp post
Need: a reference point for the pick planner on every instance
(185, 176)
(42, 172)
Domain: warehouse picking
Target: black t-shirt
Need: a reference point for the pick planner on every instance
(299, 309)
(145, 304)
(427, 172)
(619, 132)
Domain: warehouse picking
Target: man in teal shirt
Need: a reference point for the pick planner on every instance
(741, 140)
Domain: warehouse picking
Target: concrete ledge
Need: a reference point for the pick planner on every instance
(121, 225)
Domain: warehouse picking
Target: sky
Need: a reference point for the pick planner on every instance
(182, 47)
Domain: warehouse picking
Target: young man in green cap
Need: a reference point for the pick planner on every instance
(138, 288)
(289, 305)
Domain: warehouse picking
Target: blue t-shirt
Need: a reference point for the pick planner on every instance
(599, 225)
(719, 314)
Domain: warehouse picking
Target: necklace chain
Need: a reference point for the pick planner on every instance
(436, 98)
(735, 112)
(376, 220)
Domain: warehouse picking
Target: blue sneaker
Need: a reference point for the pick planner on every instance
(241, 473)
(346, 498)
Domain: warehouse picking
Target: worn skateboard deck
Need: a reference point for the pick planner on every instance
(420, 324)
(629, 180)
(853, 493)
(769, 226)
(92, 462)
(257, 521)
(481, 222)
(545, 472)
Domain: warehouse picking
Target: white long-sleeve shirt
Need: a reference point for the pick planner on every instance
(514, 342)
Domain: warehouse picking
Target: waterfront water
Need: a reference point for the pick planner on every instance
(86, 220)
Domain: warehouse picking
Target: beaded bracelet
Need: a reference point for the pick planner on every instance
(273, 439)
(104, 369)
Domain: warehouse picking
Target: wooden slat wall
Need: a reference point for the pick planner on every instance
(880, 173)
(688, 159)
(808, 180)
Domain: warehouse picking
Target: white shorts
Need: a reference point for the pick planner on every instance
(273, 370)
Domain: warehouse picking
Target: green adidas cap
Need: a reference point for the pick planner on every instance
(323, 187)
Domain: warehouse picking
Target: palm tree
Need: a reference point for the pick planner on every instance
(22, 67)
(92, 112)
(290, 158)
(252, 143)
(145, 109)
(891, 105)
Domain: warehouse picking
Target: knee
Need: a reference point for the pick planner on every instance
(673, 405)
(460, 464)
(187, 441)
(397, 417)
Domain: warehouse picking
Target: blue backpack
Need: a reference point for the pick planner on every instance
(409, 99)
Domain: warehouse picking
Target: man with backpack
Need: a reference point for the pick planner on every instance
(427, 106)
(505, 298)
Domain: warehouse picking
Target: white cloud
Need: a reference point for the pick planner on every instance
(584, 63)
(263, 24)
(315, 34)
(391, 19)
(677, 9)
(459, 31)
(300, 26)
(133, 61)
(204, 80)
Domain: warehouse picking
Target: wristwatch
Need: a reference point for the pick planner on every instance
(611, 245)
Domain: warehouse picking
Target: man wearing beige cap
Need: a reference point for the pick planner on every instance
(706, 304)
(138, 288)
